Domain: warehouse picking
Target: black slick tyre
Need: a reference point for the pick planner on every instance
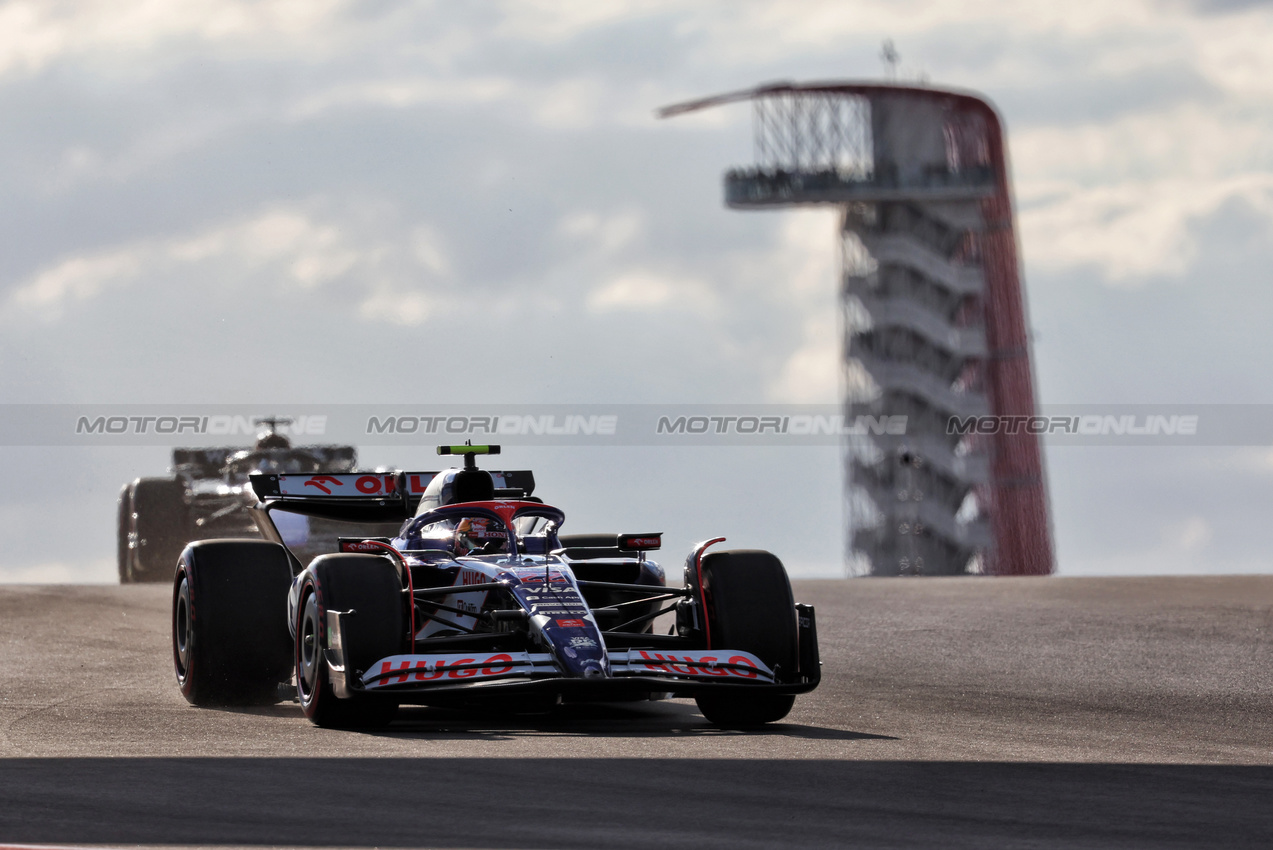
(230, 640)
(371, 587)
(159, 523)
(123, 525)
(749, 606)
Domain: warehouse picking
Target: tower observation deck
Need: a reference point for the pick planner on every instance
(933, 313)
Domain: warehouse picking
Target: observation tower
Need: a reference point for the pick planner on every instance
(933, 312)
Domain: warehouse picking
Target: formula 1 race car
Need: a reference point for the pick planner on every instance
(208, 495)
(478, 599)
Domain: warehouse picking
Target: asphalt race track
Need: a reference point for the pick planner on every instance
(1065, 712)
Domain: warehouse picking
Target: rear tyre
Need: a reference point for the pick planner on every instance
(159, 522)
(749, 606)
(230, 641)
(370, 586)
(123, 525)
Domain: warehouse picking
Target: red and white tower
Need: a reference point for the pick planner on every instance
(934, 315)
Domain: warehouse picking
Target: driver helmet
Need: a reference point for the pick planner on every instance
(272, 440)
(465, 541)
(473, 534)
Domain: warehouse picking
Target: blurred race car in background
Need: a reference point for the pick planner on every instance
(477, 598)
(208, 495)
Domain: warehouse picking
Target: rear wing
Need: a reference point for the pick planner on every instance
(208, 462)
(367, 496)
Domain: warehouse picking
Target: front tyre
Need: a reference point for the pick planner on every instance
(749, 606)
(370, 586)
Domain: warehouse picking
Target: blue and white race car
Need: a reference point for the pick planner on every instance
(479, 598)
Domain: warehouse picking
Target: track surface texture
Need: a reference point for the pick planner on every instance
(1062, 712)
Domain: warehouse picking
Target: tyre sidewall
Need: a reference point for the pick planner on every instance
(123, 527)
(188, 674)
(317, 701)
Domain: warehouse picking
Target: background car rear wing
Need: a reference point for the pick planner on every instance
(367, 496)
(207, 462)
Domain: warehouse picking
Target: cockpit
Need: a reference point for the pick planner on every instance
(443, 524)
(461, 531)
(460, 535)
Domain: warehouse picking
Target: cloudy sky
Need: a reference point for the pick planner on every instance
(407, 202)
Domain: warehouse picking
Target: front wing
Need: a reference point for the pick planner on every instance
(635, 672)
(451, 668)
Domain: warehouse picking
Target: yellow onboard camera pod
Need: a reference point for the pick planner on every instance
(468, 450)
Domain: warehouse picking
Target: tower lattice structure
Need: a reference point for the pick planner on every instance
(934, 316)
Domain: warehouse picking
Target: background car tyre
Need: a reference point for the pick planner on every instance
(160, 523)
(230, 639)
(749, 605)
(370, 586)
(123, 525)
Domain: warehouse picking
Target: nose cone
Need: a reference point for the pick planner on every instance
(583, 662)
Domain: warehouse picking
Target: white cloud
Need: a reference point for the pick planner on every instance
(77, 279)
(605, 234)
(1232, 51)
(749, 33)
(1188, 140)
(643, 292)
(1123, 195)
(1133, 230)
(396, 307)
(795, 273)
(400, 92)
(34, 34)
(811, 374)
(281, 247)
(429, 251)
(571, 104)
(807, 260)
(551, 21)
